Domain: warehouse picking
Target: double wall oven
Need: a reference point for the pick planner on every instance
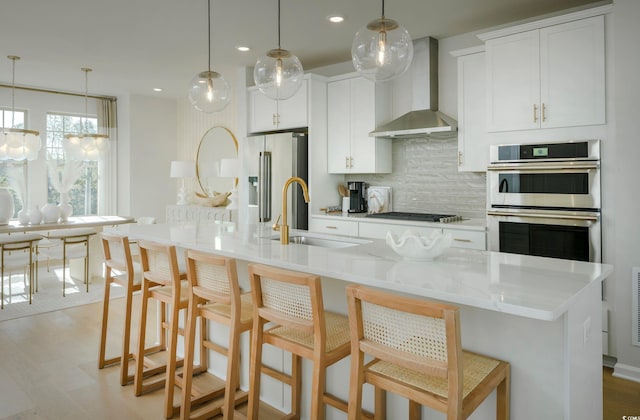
(544, 200)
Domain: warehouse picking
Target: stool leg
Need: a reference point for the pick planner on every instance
(105, 317)
(415, 411)
(380, 397)
(187, 371)
(296, 385)
(64, 268)
(126, 338)
(233, 373)
(138, 378)
(255, 368)
(86, 265)
(171, 355)
(2, 282)
(318, 383)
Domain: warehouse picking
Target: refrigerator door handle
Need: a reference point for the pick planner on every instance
(264, 187)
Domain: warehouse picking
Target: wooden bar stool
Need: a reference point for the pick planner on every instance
(163, 281)
(214, 295)
(68, 244)
(17, 252)
(291, 302)
(119, 270)
(417, 354)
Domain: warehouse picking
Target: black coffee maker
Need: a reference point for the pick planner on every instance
(357, 197)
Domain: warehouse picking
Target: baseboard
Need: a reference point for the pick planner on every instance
(631, 373)
(608, 361)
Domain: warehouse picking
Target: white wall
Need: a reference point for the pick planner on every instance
(147, 135)
(623, 179)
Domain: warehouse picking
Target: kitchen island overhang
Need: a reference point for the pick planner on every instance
(542, 315)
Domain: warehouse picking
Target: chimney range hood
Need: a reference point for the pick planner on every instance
(421, 83)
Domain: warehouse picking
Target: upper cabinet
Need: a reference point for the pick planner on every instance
(549, 77)
(473, 148)
(266, 114)
(355, 106)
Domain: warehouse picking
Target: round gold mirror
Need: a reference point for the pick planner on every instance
(216, 151)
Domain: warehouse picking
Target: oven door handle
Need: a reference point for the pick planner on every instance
(544, 216)
(542, 166)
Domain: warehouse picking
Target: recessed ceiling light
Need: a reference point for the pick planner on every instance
(335, 18)
(242, 48)
(157, 89)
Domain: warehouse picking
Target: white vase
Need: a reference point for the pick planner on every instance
(35, 216)
(50, 213)
(23, 216)
(6, 206)
(64, 207)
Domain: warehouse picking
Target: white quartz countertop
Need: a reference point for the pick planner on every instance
(465, 223)
(527, 286)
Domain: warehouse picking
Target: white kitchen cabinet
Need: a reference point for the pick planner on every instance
(546, 78)
(338, 227)
(470, 239)
(355, 106)
(379, 230)
(473, 146)
(266, 114)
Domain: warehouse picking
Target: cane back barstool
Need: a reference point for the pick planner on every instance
(291, 302)
(417, 354)
(163, 281)
(214, 295)
(119, 270)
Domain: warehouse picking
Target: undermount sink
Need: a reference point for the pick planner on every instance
(321, 242)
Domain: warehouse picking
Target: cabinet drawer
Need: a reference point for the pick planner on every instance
(339, 227)
(467, 239)
(379, 230)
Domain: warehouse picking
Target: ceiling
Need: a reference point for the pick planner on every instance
(137, 45)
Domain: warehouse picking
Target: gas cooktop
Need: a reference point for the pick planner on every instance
(418, 217)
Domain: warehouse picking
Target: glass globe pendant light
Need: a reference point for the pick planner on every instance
(279, 73)
(208, 91)
(382, 50)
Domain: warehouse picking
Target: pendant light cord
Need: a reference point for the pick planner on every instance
(209, 28)
(86, 97)
(13, 90)
(279, 24)
(382, 9)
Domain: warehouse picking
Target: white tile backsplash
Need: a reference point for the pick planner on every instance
(425, 179)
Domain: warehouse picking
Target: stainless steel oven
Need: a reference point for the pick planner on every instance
(544, 199)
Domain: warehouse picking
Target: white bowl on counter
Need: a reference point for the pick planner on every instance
(414, 247)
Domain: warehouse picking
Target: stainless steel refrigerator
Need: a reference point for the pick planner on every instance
(274, 159)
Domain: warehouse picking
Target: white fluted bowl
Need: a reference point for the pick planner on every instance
(414, 247)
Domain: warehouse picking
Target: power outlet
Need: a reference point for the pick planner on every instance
(586, 330)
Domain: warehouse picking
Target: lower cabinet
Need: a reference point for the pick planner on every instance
(462, 238)
(338, 227)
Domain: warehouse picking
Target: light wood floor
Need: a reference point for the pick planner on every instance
(48, 370)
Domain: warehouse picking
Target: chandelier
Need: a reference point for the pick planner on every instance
(85, 146)
(18, 143)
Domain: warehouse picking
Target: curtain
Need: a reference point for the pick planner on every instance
(107, 168)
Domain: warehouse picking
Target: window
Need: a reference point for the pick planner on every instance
(83, 194)
(11, 170)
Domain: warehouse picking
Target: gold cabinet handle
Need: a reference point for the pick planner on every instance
(331, 227)
(544, 112)
(350, 162)
(273, 119)
(459, 158)
(461, 240)
(535, 113)
(346, 162)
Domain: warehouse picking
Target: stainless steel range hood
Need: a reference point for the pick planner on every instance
(420, 84)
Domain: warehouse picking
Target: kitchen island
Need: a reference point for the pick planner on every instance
(542, 315)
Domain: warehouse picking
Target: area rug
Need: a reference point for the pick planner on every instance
(49, 296)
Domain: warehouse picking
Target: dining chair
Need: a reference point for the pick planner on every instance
(17, 253)
(416, 353)
(65, 245)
